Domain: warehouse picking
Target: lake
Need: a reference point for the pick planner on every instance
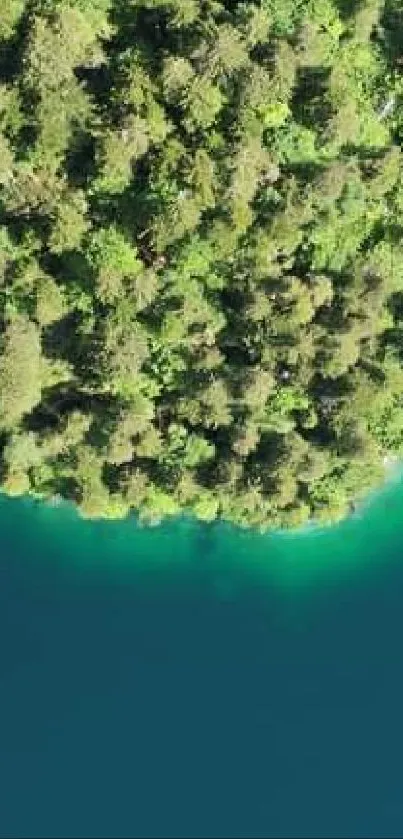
(191, 680)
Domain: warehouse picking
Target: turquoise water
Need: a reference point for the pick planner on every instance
(199, 680)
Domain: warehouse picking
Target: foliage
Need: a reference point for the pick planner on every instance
(201, 268)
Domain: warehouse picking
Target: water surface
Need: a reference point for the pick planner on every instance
(202, 681)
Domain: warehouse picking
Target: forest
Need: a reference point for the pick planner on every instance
(201, 255)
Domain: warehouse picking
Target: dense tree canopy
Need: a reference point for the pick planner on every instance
(201, 254)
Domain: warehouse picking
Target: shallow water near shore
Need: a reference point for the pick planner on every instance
(200, 680)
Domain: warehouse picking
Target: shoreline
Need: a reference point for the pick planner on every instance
(393, 473)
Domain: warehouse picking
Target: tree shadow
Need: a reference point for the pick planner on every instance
(60, 340)
(392, 26)
(67, 265)
(145, 27)
(347, 8)
(79, 163)
(149, 29)
(11, 49)
(310, 105)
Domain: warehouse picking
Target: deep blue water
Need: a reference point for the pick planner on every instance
(189, 681)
